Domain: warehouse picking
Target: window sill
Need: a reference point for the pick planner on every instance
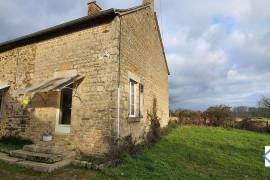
(134, 119)
(63, 129)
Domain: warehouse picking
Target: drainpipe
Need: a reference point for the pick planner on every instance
(119, 90)
(118, 113)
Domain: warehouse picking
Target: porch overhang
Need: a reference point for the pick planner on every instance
(4, 87)
(53, 84)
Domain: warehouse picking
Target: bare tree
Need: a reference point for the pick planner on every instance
(264, 102)
(240, 111)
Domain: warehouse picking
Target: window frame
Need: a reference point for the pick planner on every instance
(132, 82)
(63, 129)
(141, 100)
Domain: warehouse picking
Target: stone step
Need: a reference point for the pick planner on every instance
(35, 166)
(48, 149)
(54, 143)
(42, 157)
(44, 167)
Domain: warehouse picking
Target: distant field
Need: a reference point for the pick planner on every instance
(199, 153)
(261, 119)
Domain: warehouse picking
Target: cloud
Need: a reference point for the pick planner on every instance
(218, 51)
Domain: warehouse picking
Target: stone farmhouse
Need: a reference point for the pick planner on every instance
(84, 81)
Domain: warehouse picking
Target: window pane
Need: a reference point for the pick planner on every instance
(132, 100)
(141, 99)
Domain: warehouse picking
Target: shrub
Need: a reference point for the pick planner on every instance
(154, 132)
(244, 124)
(220, 116)
(188, 117)
(120, 147)
(253, 125)
(171, 125)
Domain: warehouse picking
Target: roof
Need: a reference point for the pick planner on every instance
(4, 87)
(30, 38)
(106, 14)
(27, 39)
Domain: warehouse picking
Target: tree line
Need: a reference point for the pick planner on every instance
(223, 115)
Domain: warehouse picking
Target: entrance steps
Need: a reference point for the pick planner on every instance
(48, 149)
(35, 166)
(42, 157)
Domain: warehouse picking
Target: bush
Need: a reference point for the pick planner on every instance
(189, 117)
(171, 125)
(253, 125)
(120, 147)
(220, 116)
(244, 124)
(154, 132)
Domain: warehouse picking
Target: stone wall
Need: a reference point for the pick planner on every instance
(142, 60)
(17, 68)
(93, 53)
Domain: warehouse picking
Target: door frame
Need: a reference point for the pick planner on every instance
(60, 128)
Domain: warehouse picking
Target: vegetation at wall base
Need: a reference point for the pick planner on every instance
(13, 143)
(128, 146)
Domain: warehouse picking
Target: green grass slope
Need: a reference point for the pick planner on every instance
(199, 153)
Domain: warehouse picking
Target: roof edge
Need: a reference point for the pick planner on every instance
(162, 45)
(130, 10)
(10, 43)
(28, 39)
(123, 12)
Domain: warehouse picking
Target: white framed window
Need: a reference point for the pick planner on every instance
(132, 98)
(141, 95)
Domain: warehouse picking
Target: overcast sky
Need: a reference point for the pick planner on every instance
(218, 50)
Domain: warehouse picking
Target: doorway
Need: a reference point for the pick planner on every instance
(65, 109)
(66, 105)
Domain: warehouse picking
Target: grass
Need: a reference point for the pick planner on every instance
(186, 153)
(198, 153)
(13, 172)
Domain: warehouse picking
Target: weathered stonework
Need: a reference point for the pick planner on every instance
(17, 68)
(106, 54)
(142, 60)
